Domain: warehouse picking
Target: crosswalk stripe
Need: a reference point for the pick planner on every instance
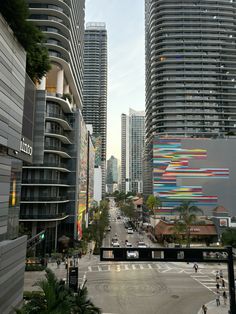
(133, 266)
(89, 268)
(126, 267)
(149, 266)
(99, 268)
(141, 266)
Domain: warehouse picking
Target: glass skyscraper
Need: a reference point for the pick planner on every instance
(132, 145)
(95, 89)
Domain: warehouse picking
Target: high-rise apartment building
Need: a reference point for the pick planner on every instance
(190, 68)
(50, 187)
(190, 91)
(95, 89)
(112, 174)
(125, 175)
(132, 145)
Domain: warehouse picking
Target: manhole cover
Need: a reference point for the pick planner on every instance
(175, 296)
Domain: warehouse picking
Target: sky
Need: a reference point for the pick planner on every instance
(126, 60)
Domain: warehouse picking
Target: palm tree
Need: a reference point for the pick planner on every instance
(153, 203)
(83, 305)
(187, 215)
(229, 237)
(179, 229)
(57, 298)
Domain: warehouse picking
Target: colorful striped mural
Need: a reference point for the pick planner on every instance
(170, 162)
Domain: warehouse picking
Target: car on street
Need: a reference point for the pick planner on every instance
(116, 244)
(130, 231)
(128, 244)
(142, 244)
(108, 228)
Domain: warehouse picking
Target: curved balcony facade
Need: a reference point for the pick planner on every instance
(47, 187)
(190, 68)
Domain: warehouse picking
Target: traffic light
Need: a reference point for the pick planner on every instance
(42, 236)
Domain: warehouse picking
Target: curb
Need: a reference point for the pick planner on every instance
(212, 306)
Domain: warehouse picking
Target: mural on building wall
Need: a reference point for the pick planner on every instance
(97, 141)
(83, 176)
(91, 172)
(171, 162)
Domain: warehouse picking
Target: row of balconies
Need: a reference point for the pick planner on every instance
(42, 217)
(42, 198)
(43, 181)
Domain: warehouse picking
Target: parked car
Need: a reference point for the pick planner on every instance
(130, 231)
(142, 244)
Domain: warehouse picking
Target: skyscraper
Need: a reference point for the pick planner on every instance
(132, 145)
(49, 198)
(95, 88)
(190, 89)
(112, 174)
(125, 175)
(190, 68)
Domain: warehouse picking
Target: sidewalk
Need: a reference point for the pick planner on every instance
(213, 309)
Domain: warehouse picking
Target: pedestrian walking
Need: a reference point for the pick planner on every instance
(195, 266)
(223, 283)
(217, 298)
(217, 286)
(58, 263)
(217, 276)
(90, 253)
(221, 274)
(204, 309)
(225, 297)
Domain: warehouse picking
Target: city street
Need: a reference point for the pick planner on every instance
(136, 287)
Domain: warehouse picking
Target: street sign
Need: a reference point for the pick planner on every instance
(73, 278)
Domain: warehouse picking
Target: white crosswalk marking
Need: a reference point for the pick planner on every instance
(89, 268)
(207, 281)
(149, 266)
(141, 266)
(126, 267)
(133, 266)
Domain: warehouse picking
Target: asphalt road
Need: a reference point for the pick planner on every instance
(117, 227)
(146, 291)
(138, 288)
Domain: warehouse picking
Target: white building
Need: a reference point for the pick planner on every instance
(132, 143)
